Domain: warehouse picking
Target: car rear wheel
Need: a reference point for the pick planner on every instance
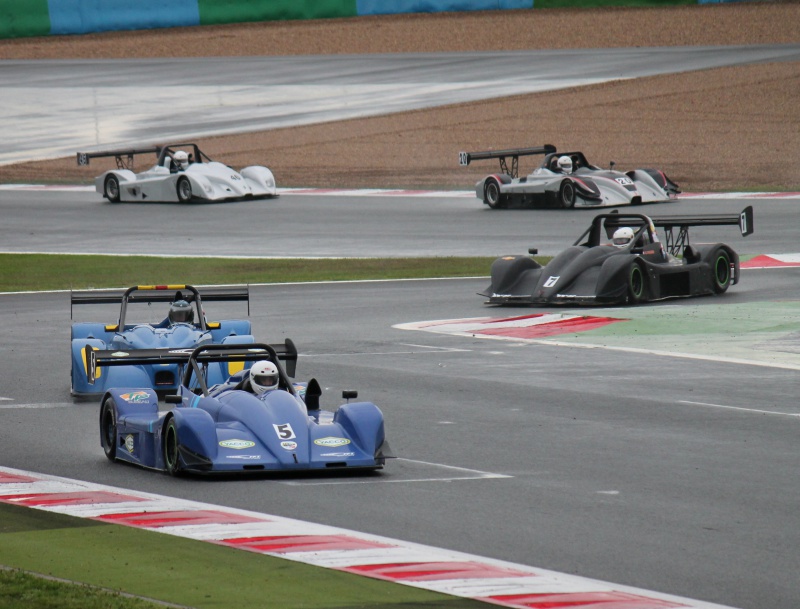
(566, 194)
(172, 449)
(492, 195)
(111, 188)
(184, 189)
(108, 429)
(721, 273)
(637, 284)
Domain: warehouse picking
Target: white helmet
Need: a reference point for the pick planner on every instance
(565, 164)
(181, 159)
(622, 236)
(263, 377)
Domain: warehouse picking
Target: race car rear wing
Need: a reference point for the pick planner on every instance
(676, 243)
(160, 293)
(124, 158)
(193, 358)
(465, 158)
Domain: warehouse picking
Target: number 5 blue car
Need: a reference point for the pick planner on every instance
(228, 428)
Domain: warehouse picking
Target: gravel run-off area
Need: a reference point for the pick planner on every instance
(712, 130)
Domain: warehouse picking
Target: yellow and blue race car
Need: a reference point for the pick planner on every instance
(180, 326)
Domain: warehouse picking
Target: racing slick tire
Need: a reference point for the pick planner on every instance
(567, 194)
(492, 195)
(172, 460)
(184, 189)
(637, 284)
(721, 272)
(108, 429)
(111, 188)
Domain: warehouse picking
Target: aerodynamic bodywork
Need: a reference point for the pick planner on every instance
(226, 429)
(182, 173)
(593, 271)
(138, 327)
(549, 185)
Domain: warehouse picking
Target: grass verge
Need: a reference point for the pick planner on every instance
(31, 272)
(88, 565)
(128, 568)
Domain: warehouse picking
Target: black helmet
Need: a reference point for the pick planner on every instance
(181, 311)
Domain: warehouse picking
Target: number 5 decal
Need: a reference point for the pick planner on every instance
(284, 431)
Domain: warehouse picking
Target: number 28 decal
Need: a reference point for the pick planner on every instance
(284, 431)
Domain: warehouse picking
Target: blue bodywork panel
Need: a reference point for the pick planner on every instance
(164, 377)
(232, 431)
(227, 427)
(124, 336)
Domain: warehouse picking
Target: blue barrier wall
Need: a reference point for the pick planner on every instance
(390, 7)
(20, 18)
(85, 16)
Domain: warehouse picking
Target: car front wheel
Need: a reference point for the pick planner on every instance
(111, 188)
(637, 283)
(566, 194)
(721, 273)
(184, 189)
(172, 449)
(108, 429)
(492, 195)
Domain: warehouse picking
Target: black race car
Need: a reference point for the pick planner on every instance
(595, 271)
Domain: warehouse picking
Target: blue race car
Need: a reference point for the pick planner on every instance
(184, 327)
(229, 428)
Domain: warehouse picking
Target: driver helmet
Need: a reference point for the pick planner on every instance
(263, 377)
(181, 159)
(622, 236)
(181, 312)
(565, 164)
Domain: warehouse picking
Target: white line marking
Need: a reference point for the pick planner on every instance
(473, 474)
(384, 481)
(756, 410)
(431, 347)
(427, 351)
(697, 356)
(294, 284)
(455, 467)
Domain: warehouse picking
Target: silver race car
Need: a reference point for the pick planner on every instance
(566, 179)
(182, 173)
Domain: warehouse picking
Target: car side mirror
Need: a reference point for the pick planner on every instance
(533, 251)
(611, 164)
(173, 398)
(349, 394)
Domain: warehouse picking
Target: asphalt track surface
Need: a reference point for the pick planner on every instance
(669, 473)
(54, 108)
(296, 225)
(666, 473)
